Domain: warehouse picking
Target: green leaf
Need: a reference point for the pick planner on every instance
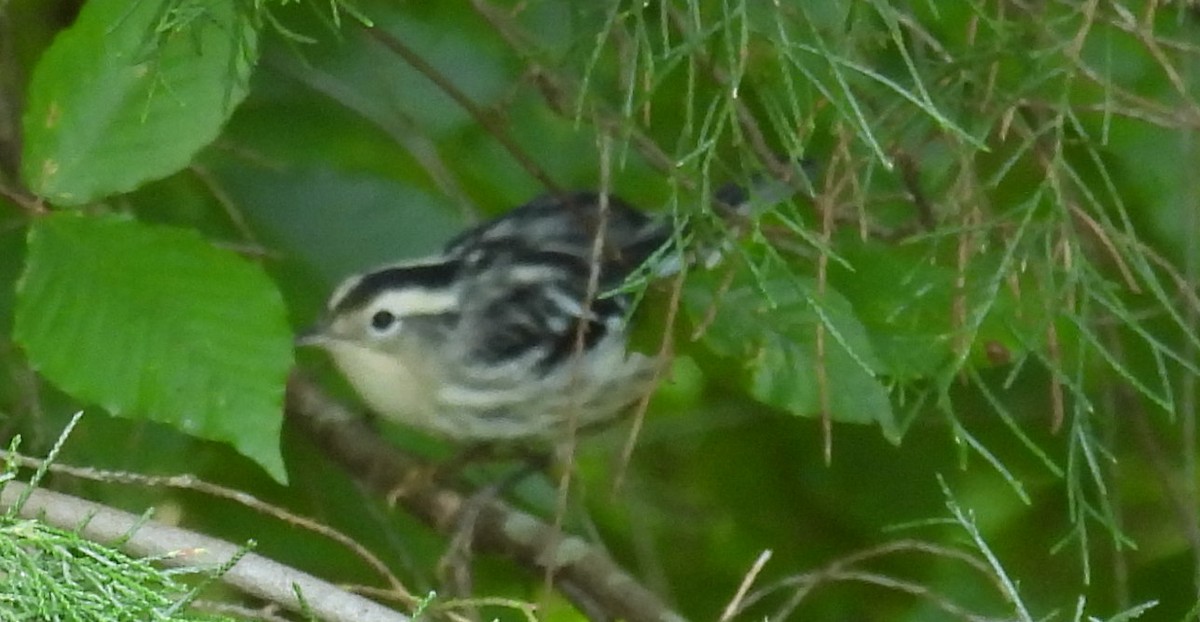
(771, 323)
(130, 92)
(905, 300)
(154, 322)
(906, 296)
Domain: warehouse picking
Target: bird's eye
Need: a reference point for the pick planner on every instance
(383, 321)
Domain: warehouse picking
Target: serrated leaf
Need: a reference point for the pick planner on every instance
(130, 92)
(771, 325)
(154, 322)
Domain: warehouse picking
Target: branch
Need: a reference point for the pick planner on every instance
(172, 546)
(396, 590)
(494, 126)
(580, 571)
(560, 91)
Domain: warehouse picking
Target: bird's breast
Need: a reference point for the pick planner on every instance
(399, 390)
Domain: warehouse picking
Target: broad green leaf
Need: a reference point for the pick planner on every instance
(906, 302)
(339, 222)
(154, 322)
(771, 324)
(130, 92)
(907, 295)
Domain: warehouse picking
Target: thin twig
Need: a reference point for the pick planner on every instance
(844, 567)
(236, 217)
(662, 360)
(172, 546)
(488, 121)
(910, 176)
(559, 92)
(568, 445)
(385, 115)
(23, 200)
(735, 603)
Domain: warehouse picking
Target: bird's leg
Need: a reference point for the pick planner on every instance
(454, 565)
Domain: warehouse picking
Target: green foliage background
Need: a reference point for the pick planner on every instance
(997, 269)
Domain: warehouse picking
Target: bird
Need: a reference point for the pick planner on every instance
(517, 331)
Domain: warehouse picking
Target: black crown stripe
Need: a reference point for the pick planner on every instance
(434, 276)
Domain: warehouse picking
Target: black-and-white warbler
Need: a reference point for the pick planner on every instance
(508, 334)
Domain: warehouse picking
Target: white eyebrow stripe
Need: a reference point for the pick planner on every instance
(352, 282)
(342, 290)
(416, 301)
(432, 260)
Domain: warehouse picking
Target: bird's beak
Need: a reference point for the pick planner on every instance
(312, 336)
